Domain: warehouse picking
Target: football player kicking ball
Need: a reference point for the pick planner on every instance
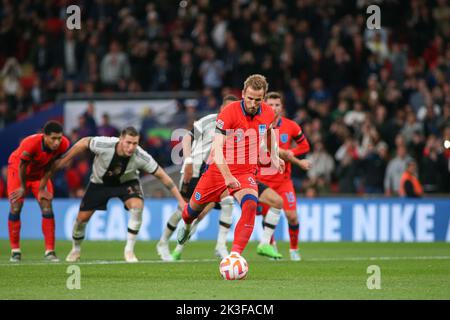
(26, 167)
(288, 131)
(115, 174)
(196, 149)
(241, 128)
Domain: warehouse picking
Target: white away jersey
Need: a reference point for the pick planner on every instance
(204, 129)
(111, 169)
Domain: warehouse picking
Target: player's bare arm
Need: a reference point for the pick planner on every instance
(302, 147)
(188, 162)
(43, 192)
(285, 154)
(19, 193)
(275, 151)
(304, 164)
(77, 148)
(170, 185)
(219, 159)
(288, 155)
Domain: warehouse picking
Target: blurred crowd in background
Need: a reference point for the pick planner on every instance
(369, 101)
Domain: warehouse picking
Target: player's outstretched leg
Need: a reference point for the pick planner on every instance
(78, 231)
(270, 222)
(163, 244)
(190, 212)
(134, 224)
(271, 203)
(225, 220)
(176, 253)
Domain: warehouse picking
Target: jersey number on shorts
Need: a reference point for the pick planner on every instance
(290, 197)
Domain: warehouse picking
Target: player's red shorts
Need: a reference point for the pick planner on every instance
(212, 185)
(286, 191)
(13, 183)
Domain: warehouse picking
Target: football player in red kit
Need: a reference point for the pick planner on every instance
(287, 131)
(26, 166)
(241, 128)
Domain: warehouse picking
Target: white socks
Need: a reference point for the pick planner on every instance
(134, 224)
(171, 225)
(225, 220)
(270, 222)
(78, 234)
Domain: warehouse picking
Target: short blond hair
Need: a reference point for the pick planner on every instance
(257, 82)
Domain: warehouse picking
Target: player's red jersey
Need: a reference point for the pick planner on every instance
(287, 131)
(244, 133)
(33, 149)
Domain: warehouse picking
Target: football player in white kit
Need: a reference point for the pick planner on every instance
(195, 157)
(115, 172)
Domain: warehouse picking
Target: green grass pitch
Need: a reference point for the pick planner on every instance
(328, 271)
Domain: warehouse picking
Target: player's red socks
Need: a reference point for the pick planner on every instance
(293, 236)
(48, 229)
(14, 230)
(189, 214)
(244, 227)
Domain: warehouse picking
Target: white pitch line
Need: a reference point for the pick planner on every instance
(381, 258)
(101, 262)
(113, 262)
